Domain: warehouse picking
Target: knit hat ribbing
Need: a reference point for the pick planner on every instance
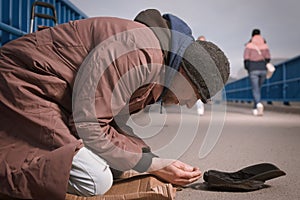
(207, 67)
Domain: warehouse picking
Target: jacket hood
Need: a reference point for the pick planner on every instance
(257, 41)
(181, 38)
(174, 36)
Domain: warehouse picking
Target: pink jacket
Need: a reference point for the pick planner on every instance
(256, 54)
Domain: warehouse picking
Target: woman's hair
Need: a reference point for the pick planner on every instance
(255, 32)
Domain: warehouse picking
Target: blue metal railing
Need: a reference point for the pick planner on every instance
(15, 16)
(284, 86)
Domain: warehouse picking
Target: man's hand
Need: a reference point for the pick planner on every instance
(174, 171)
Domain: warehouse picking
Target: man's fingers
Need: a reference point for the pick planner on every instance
(183, 166)
(176, 172)
(188, 174)
(182, 181)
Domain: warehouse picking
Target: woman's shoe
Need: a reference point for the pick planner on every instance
(255, 112)
(260, 109)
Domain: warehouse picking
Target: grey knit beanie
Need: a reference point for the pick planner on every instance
(207, 67)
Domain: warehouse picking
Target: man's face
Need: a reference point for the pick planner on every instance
(181, 91)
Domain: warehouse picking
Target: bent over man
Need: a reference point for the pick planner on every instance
(66, 93)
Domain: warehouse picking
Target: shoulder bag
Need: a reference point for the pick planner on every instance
(270, 67)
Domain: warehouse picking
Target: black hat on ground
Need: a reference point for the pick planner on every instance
(247, 179)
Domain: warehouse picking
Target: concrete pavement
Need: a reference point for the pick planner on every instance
(244, 140)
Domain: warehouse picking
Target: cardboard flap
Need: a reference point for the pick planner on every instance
(140, 187)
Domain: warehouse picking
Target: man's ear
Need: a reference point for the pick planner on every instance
(181, 70)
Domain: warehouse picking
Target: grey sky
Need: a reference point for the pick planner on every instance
(227, 23)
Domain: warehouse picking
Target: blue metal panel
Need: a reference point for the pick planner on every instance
(0, 21)
(25, 14)
(284, 85)
(5, 37)
(15, 16)
(71, 6)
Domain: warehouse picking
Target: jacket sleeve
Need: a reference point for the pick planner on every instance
(246, 64)
(266, 54)
(246, 58)
(102, 90)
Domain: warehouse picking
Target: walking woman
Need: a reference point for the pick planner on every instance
(256, 55)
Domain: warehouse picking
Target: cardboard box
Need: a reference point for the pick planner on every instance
(130, 186)
(139, 187)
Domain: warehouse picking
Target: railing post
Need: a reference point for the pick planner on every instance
(284, 85)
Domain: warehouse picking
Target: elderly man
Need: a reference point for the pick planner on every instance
(67, 92)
